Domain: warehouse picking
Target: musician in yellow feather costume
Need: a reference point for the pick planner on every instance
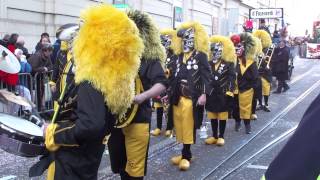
(264, 70)
(170, 41)
(190, 87)
(222, 61)
(247, 76)
(107, 54)
(128, 146)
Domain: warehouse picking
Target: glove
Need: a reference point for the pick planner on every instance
(49, 139)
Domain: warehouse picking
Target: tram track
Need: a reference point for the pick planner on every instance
(274, 142)
(278, 117)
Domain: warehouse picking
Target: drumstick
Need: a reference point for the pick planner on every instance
(56, 112)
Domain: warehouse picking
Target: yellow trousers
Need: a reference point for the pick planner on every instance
(245, 103)
(183, 121)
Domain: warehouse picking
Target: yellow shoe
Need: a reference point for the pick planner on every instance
(184, 165)
(176, 160)
(168, 133)
(220, 142)
(211, 140)
(156, 132)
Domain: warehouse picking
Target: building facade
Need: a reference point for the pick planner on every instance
(30, 18)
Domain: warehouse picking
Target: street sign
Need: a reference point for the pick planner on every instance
(177, 16)
(266, 13)
(121, 6)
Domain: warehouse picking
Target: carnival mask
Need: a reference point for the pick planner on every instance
(239, 49)
(187, 36)
(216, 50)
(166, 41)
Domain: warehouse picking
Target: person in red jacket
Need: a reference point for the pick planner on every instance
(12, 42)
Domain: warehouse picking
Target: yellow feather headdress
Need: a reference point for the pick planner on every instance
(250, 45)
(150, 35)
(201, 38)
(107, 53)
(264, 37)
(258, 46)
(175, 41)
(228, 52)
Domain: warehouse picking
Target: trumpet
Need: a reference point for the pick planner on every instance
(264, 61)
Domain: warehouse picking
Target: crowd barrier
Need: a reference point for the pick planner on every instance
(35, 88)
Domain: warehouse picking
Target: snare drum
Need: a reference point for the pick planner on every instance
(20, 137)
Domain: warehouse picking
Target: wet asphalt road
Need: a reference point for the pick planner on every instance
(286, 112)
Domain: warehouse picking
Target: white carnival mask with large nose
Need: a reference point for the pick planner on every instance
(188, 40)
(216, 50)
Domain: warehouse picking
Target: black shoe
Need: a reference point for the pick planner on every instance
(276, 92)
(260, 107)
(286, 89)
(237, 126)
(248, 129)
(266, 108)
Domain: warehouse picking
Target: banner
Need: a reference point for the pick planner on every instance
(313, 50)
(266, 13)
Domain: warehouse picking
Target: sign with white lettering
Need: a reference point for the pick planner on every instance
(266, 13)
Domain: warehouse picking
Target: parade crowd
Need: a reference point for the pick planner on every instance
(106, 73)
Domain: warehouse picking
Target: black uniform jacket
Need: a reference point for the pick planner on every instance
(198, 78)
(223, 80)
(247, 79)
(299, 158)
(81, 139)
(151, 72)
(58, 71)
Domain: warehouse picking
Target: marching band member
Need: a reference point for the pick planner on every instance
(222, 61)
(128, 146)
(102, 74)
(191, 82)
(264, 70)
(169, 40)
(247, 74)
(257, 94)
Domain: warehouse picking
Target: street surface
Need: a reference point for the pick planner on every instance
(212, 162)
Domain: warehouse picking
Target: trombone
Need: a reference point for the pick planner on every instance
(265, 60)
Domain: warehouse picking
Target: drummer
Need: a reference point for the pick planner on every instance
(77, 144)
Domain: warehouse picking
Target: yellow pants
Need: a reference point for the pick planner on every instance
(245, 104)
(266, 86)
(218, 115)
(51, 171)
(183, 121)
(136, 143)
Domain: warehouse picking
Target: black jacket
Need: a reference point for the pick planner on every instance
(249, 78)
(223, 80)
(199, 80)
(81, 140)
(280, 60)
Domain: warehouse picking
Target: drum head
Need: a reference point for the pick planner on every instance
(20, 125)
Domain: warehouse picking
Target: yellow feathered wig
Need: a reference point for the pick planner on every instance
(201, 38)
(228, 51)
(107, 53)
(258, 46)
(150, 36)
(250, 47)
(264, 37)
(175, 40)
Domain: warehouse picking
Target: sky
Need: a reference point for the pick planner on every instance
(301, 14)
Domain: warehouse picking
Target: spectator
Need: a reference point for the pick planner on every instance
(41, 63)
(44, 39)
(263, 26)
(4, 41)
(24, 82)
(20, 45)
(280, 61)
(12, 42)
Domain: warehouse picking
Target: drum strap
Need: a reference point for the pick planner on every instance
(41, 166)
